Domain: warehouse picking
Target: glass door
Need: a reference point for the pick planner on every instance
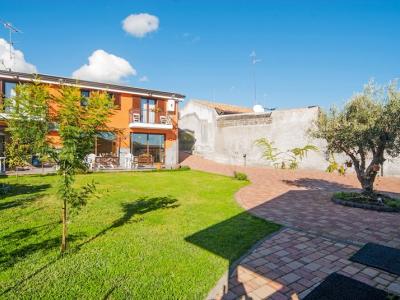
(148, 111)
(149, 144)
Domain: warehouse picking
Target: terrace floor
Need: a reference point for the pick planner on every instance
(319, 236)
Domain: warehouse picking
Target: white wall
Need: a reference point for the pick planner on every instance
(228, 137)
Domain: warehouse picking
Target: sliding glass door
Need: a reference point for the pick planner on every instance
(149, 144)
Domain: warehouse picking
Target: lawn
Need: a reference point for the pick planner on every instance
(145, 235)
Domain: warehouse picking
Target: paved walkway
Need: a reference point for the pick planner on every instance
(319, 236)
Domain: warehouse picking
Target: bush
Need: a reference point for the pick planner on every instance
(369, 199)
(240, 176)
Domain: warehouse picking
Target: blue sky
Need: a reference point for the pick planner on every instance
(312, 52)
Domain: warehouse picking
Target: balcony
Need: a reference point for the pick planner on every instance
(149, 119)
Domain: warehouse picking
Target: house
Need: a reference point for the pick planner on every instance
(227, 134)
(146, 120)
(198, 124)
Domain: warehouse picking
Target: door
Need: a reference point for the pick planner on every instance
(146, 143)
(148, 111)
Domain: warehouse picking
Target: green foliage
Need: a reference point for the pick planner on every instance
(366, 129)
(335, 166)
(284, 159)
(30, 118)
(240, 176)
(78, 127)
(27, 123)
(370, 198)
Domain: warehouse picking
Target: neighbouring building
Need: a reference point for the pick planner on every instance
(147, 120)
(227, 134)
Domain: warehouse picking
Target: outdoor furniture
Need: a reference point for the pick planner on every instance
(145, 159)
(106, 162)
(90, 160)
(136, 117)
(130, 161)
(163, 120)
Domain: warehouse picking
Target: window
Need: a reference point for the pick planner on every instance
(2, 145)
(150, 144)
(148, 111)
(117, 99)
(9, 92)
(85, 94)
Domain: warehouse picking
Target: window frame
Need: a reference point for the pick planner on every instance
(84, 98)
(117, 100)
(147, 145)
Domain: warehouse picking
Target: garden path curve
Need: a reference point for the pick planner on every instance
(319, 236)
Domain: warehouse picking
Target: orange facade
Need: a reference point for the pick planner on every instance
(138, 116)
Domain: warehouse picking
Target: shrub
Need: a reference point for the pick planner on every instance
(239, 176)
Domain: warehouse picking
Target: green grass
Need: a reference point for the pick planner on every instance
(146, 235)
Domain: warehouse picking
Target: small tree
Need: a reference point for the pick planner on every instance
(28, 119)
(283, 159)
(78, 126)
(367, 129)
(32, 113)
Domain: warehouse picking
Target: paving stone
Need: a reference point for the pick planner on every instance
(290, 278)
(394, 288)
(370, 272)
(351, 270)
(327, 234)
(313, 266)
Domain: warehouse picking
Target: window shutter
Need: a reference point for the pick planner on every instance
(117, 101)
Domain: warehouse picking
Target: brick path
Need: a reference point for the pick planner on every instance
(319, 237)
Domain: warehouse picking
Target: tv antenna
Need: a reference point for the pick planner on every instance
(254, 61)
(11, 29)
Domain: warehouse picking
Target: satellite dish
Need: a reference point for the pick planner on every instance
(258, 108)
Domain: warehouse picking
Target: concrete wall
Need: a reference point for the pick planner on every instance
(227, 138)
(201, 120)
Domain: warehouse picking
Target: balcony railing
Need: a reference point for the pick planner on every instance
(149, 119)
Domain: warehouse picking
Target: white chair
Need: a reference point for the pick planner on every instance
(136, 118)
(163, 120)
(128, 161)
(90, 160)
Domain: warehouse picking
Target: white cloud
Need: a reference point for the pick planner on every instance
(104, 67)
(140, 24)
(144, 79)
(17, 63)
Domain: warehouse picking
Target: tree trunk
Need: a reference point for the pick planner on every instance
(64, 227)
(367, 184)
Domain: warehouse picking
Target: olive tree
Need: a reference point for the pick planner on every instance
(366, 129)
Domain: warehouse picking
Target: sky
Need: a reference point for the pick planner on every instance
(308, 52)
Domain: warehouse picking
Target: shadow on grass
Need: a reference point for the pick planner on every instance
(10, 258)
(141, 206)
(232, 239)
(21, 234)
(17, 255)
(17, 189)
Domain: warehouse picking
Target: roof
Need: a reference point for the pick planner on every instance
(224, 109)
(90, 85)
